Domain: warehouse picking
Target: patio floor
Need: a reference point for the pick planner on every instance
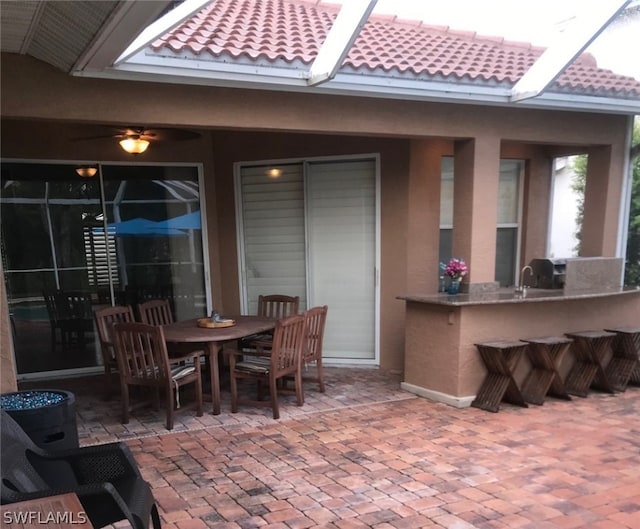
(366, 454)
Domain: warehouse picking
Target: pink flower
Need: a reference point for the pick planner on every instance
(455, 268)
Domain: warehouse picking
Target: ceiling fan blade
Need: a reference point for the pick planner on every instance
(166, 134)
(149, 134)
(90, 138)
(99, 132)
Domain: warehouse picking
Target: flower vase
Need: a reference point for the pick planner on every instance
(454, 286)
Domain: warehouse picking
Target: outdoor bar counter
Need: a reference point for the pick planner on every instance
(441, 360)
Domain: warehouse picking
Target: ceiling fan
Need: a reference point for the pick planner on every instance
(135, 140)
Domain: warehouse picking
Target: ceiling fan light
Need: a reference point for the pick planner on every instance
(86, 171)
(134, 145)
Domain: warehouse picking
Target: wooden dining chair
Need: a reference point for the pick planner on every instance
(284, 358)
(105, 318)
(278, 306)
(275, 306)
(155, 312)
(159, 312)
(136, 294)
(315, 319)
(143, 361)
(314, 323)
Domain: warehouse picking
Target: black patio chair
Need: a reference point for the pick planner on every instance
(105, 478)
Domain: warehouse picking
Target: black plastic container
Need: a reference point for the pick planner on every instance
(48, 416)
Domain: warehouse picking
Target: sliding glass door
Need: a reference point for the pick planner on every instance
(71, 244)
(309, 229)
(341, 256)
(273, 255)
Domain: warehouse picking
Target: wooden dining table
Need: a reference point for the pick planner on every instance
(212, 339)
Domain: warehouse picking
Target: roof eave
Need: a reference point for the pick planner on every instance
(210, 73)
(122, 27)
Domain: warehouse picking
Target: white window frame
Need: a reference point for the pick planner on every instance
(518, 224)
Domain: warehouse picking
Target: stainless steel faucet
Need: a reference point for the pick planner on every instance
(521, 286)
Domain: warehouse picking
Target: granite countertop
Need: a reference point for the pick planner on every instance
(509, 295)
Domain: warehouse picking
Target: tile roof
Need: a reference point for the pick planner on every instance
(289, 33)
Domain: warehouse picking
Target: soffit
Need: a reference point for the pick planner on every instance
(66, 34)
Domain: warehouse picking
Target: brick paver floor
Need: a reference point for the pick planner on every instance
(366, 454)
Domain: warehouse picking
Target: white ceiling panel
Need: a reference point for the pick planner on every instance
(64, 32)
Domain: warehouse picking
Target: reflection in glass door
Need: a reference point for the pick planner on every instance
(71, 244)
(153, 218)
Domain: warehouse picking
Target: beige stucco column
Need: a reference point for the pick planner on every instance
(602, 202)
(424, 215)
(536, 206)
(475, 204)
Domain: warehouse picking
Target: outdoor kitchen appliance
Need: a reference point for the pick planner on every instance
(548, 273)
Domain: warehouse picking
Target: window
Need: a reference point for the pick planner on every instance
(509, 213)
(508, 236)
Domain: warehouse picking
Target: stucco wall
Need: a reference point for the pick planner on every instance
(33, 90)
(233, 147)
(44, 111)
(217, 152)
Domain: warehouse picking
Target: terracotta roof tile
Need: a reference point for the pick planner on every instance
(288, 31)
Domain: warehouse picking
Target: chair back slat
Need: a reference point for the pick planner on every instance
(156, 312)
(278, 306)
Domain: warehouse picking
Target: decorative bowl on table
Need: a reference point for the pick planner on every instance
(208, 323)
